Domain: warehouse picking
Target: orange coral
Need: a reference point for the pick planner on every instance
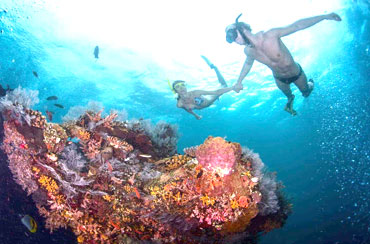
(49, 184)
(83, 135)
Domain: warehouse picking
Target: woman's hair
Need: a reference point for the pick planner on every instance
(175, 83)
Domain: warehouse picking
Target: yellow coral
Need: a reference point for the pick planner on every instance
(154, 190)
(234, 204)
(59, 199)
(207, 200)
(127, 188)
(247, 173)
(80, 239)
(83, 135)
(108, 198)
(35, 169)
(49, 184)
(177, 197)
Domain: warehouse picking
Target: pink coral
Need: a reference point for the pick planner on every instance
(216, 154)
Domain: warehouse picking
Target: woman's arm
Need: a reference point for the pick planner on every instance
(216, 92)
(192, 112)
(180, 105)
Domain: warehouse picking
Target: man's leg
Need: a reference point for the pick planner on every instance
(285, 88)
(304, 86)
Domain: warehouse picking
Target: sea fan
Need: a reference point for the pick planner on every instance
(26, 98)
(16, 101)
(267, 185)
(268, 188)
(72, 158)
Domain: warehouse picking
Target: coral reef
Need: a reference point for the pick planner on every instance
(122, 182)
(218, 155)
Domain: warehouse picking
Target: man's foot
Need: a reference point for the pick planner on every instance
(310, 85)
(211, 65)
(289, 106)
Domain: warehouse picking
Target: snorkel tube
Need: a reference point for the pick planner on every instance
(239, 28)
(170, 85)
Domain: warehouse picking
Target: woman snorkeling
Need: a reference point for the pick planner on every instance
(197, 99)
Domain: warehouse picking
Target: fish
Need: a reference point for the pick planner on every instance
(96, 52)
(58, 105)
(137, 193)
(52, 98)
(50, 114)
(35, 74)
(145, 155)
(30, 223)
(116, 180)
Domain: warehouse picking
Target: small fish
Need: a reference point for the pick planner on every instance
(35, 74)
(30, 223)
(116, 180)
(137, 193)
(96, 52)
(50, 114)
(52, 98)
(145, 155)
(58, 105)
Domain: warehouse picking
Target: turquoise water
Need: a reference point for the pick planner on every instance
(322, 155)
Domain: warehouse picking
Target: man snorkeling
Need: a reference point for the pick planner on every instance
(190, 100)
(267, 48)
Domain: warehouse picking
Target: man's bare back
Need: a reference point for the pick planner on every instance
(268, 48)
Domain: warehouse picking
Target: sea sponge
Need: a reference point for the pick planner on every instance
(218, 155)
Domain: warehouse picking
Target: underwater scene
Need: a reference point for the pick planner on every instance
(185, 121)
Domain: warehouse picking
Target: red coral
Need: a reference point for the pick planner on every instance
(216, 154)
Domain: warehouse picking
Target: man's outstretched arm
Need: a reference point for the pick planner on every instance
(303, 24)
(245, 70)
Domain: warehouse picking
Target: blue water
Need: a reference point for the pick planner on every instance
(322, 155)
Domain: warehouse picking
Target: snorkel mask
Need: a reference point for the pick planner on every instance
(232, 34)
(175, 84)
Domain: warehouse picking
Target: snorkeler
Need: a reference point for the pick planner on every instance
(197, 99)
(267, 48)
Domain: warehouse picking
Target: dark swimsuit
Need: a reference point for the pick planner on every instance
(290, 79)
(198, 100)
